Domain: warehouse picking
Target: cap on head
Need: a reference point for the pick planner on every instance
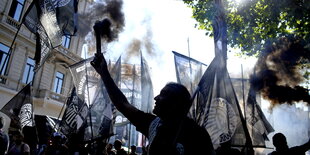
(57, 134)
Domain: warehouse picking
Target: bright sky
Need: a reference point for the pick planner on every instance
(169, 26)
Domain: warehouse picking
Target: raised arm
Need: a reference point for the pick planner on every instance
(117, 97)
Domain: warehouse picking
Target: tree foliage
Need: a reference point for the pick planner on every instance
(252, 25)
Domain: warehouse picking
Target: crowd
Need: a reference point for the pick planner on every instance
(169, 130)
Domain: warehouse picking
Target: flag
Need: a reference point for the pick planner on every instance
(85, 79)
(188, 71)
(217, 108)
(258, 125)
(50, 20)
(76, 110)
(44, 129)
(101, 112)
(102, 109)
(20, 108)
(66, 13)
(147, 95)
(91, 89)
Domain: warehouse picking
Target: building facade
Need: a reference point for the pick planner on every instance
(52, 82)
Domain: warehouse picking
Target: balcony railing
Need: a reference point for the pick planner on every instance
(9, 21)
(68, 54)
(44, 93)
(3, 79)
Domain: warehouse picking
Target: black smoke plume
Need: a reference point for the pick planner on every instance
(278, 74)
(110, 10)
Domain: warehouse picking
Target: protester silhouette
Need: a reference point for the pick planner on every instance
(169, 129)
(118, 148)
(18, 146)
(108, 149)
(225, 149)
(280, 144)
(4, 138)
(56, 147)
(144, 150)
(133, 150)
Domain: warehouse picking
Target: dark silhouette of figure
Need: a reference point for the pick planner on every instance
(118, 148)
(4, 139)
(144, 150)
(169, 130)
(108, 149)
(56, 147)
(133, 150)
(225, 149)
(279, 142)
(19, 147)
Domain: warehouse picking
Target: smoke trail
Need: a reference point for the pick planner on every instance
(278, 75)
(110, 9)
(137, 45)
(134, 47)
(148, 42)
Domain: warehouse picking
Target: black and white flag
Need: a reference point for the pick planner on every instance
(20, 108)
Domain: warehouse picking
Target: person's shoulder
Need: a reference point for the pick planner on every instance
(273, 153)
(297, 150)
(26, 147)
(123, 153)
(191, 125)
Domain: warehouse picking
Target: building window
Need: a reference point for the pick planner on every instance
(58, 82)
(66, 41)
(29, 71)
(16, 9)
(4, 50)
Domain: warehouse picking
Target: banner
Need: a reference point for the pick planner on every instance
(147, 95)
(258, 125)
(91, 89)
(74, 115)
(189, 71)
(20, 108)
(217, 108)
(50, 20)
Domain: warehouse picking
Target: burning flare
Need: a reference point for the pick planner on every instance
(278, 74)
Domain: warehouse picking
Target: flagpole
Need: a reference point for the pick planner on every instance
(89, 108)
(62, 108)
(190, 65)
(132, 101)
(243, 98)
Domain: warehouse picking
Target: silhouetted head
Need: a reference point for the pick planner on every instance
(133, 148)
(279, 141)
(109, 147)
(18, 137)
(174, 100)
(57, 138)
(1, 122)
(117, 144)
